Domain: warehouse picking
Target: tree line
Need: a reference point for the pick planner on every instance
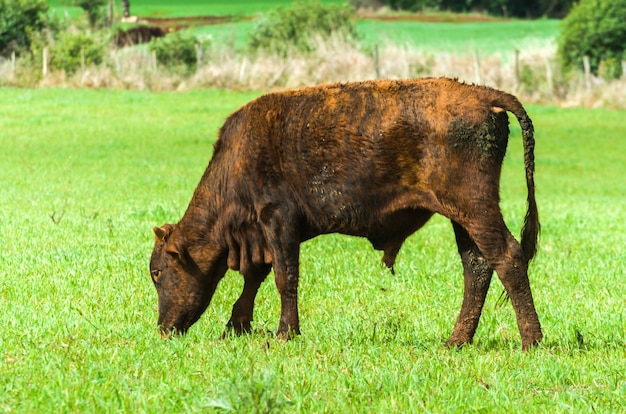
(506, 8)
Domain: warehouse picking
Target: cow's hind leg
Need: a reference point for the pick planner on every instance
(476, 275)
(505, 255)
(241, 317)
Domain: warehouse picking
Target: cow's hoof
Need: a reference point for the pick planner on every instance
(528, 345)
(455, 342)
(236, 328)
(285, 336)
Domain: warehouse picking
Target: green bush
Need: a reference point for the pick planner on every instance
(297, 27)
(610, 68)
(69, 49)
(517, 8)
(177, 51)
(595, 28)
(413, 5)
(372, 4)
(94, 9)
(19, 20)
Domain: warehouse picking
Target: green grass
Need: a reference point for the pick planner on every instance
(493, 37)
(167, 8)
(484, 37)
(85, 174)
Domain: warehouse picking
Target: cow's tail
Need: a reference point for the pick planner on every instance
(532, 227)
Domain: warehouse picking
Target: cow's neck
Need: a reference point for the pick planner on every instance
(200, 221)
(199, 218)
(197, 228)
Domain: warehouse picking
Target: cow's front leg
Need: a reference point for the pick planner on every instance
(287, 284)
(477, 275)
(283, 241)
(242, 314)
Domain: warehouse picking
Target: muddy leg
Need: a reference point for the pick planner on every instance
(477, 276)
(283, 241)
(287, 284)
(504, 253)
(243, 309)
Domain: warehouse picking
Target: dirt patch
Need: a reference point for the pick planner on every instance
(432, 18)
(169, 24)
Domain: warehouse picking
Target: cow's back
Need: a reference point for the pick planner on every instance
(345, 154)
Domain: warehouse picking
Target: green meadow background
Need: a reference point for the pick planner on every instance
(85, 174)
(488, 38)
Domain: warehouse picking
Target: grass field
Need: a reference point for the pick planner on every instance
(484, 37)
(166, 8)
(85, 174)
(465, 38)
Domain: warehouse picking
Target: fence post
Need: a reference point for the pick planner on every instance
(242, 70)
(479, 79)
(45, 61)
(82, 60)
(198, 56)
(110, 13)
(517, 70)
(549, 78)
(376, 61)
(12, 64)
(587, 68)
(233, 37)
(118, 64)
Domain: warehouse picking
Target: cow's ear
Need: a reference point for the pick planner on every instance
(162, 232)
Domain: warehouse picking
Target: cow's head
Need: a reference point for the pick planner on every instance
(185, 284)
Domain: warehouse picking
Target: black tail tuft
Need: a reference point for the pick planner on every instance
(532, 227)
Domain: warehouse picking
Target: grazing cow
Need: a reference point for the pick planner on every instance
(374, 159)
(137, 35)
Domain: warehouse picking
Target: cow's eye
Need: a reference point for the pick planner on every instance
(155, 275)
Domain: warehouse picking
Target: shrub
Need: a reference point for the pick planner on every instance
(177, 51)
(610, 68)
(94, 9)
(412, 5)
(19, 19)
(368, 4)
(518, 8)
(70, 48)
(297, 27)
(594, 28)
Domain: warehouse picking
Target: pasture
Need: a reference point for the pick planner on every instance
(86, 174)
(448, 36)
(498, 37)
(487, 38)
(165, 8)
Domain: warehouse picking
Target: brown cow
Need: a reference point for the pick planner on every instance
(374, 159)
(137, 35)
